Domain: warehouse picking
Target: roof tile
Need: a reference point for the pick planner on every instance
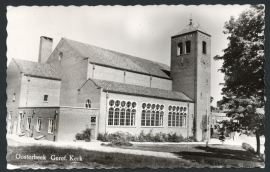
(36, 69)
(140, 90)
(111, 58)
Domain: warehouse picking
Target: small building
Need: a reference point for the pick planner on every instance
(78, 86)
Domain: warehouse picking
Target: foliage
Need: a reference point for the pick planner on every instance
(248, 147)
(122, 137)
(85, 135)
(243, 66)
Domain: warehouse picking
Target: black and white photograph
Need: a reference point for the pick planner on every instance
(155, 86)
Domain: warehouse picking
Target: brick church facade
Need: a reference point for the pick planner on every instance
(78, 86)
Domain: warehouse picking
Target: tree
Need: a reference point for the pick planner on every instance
(243, 66)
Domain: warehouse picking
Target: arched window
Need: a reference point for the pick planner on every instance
(116, 117)
(60, 56)
(143, 118)
(88, 103)
(133, 114)
(153, 117)
(122, 116)
(177, 116)
(110, 120)
(128, 117)
(121, 113)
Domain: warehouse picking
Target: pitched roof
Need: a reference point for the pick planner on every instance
(140, 90)
(190, 28)
(36, 69)
(123, 61)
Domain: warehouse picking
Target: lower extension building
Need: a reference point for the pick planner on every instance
(78, 86)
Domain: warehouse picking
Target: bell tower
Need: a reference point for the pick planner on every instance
(191, 73)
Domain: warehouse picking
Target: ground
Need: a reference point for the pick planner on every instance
(140, 155)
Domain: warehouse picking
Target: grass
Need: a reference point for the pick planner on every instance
(213, 155)
(189, 156)
(91, 159)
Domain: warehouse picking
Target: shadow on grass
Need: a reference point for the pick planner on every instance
(216, 156)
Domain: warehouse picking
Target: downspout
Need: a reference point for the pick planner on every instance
(107, 98)
(27, 90)
(188, 122)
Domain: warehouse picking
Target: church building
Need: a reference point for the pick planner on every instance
(78, 86)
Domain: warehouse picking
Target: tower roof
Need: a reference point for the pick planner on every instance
(191, 27)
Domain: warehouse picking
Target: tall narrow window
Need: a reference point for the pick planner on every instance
(38, 124)
(28, 127)
(206, 81)
(50, 126)
(188, 47)
(204, 47)
(14, 97)
(60, 56)
(88, 103)
(122, 116)
(110, 120)
(179, 48)
(10, 115)
(46, 98)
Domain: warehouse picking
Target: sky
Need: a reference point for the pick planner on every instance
(142, 31)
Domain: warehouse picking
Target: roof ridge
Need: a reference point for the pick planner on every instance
(112, 51)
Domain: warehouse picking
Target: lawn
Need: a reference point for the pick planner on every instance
(213, 155)
(197, 156)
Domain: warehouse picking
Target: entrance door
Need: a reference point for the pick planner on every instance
(93, 127)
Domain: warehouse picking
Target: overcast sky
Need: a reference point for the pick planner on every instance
(142, 31)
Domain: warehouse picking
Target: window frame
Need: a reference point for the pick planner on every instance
(186, 47)
(38, 129)
(14, 97)
(177, 112)
(88, 104)
(46, 98)
(28, 128)
(204, 47)
(179, 49)
(51, 126)
(152, 115)
(10, 113)
(121, 110)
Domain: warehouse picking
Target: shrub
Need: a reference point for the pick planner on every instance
(248, 147)
(104, 137)
(79, 136)
(173, 137)
(121, 138)
(85, 135)
(141, 137)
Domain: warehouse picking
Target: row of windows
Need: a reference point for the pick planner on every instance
(123, 117)
(123, 113)
(186, 48)
(38, 125)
